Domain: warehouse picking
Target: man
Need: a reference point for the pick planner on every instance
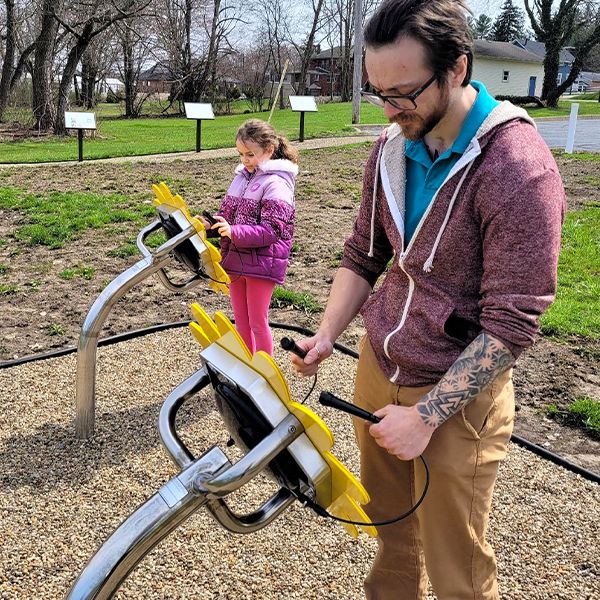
(464, 201)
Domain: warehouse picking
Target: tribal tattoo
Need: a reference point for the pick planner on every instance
(481, 362)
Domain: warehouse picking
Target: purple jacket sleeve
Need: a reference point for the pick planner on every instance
(521, 219)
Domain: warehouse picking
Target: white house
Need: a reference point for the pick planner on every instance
(506, 69)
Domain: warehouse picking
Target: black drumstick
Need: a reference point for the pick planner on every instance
(328, 399)
(287, 343)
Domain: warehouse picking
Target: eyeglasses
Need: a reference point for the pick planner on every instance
(402, 101)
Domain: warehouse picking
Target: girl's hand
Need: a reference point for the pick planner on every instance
(223, 227)
(203, 221)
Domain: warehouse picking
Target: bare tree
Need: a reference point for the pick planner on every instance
(274, 28)
(88, 22)
(340, 17)
(194, 36)
(43, 105)
(252, 69)
(556, 28)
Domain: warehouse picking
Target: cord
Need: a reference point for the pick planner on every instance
(322, 512)
(312, 387)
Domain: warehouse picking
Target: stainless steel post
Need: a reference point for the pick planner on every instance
(88, 339)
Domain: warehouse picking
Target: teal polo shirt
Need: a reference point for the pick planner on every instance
(424, 176)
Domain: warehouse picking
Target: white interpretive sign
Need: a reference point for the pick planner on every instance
(80, 120)
(198, 111)
(303, 103)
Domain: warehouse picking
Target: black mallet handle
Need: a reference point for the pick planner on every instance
(328, 399)
(287, 343)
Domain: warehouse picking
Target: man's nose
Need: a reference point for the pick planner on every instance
(391, 111)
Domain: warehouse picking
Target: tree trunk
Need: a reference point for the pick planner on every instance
(128, 74)
(42, 105)
(8, 68)
(64, 87)
(551, 66)
(89, 75)
(308, 48)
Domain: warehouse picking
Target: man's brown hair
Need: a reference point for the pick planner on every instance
(440, 25)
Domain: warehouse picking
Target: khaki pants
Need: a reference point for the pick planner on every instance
(445, 538)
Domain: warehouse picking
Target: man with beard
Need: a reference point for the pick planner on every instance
(462, 209)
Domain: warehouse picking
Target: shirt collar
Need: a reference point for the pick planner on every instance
(481, 108)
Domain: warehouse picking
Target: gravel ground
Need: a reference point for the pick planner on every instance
(61, 497)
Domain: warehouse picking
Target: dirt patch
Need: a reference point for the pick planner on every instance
(44, 311)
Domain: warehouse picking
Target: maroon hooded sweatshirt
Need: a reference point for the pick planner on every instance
(483, 258)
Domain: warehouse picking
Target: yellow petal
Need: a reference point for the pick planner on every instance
(345, 507)
(205, 322)
(199, 334)
(344, 482)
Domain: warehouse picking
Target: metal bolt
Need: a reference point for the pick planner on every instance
(292, 429)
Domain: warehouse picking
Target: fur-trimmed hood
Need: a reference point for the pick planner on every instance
(277, 165)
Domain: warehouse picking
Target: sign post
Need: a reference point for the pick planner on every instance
(303, 104)
(198, 112)
(80, 121)
(572, 127)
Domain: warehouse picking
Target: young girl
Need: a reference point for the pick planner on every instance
(256, 225)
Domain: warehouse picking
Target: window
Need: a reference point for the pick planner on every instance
(505, 75)
(559, 79)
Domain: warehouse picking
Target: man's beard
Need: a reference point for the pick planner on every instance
(415, 127)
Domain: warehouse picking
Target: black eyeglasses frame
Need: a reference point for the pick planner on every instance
(380, 100)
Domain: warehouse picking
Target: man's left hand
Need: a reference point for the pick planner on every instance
(401, 431)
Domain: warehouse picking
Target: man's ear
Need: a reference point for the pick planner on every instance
(458, 72)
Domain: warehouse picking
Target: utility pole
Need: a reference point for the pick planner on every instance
(358, 51)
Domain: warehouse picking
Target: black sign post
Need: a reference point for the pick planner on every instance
(198, 134)
(80, 121)
(80, 143)
(301, 138)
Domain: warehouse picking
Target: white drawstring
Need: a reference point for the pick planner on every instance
(372, 242)
(428, 265)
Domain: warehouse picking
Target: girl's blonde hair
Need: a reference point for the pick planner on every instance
(263, 134)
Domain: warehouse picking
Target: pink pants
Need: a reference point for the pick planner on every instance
(250, 299)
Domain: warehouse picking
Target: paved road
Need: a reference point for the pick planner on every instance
(587, 134)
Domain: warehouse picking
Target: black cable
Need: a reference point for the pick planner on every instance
(322, 512)
(312, 387)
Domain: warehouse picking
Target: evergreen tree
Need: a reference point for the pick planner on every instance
(510, 23)
(481, 27)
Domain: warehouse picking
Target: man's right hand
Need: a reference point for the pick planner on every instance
(317, 348)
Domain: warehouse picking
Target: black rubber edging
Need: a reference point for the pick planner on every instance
(129, 335)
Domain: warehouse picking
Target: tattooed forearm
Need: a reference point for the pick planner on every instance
(481, 362)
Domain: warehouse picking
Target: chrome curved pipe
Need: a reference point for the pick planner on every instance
(88, 338)
(145, 528)
(171, 441)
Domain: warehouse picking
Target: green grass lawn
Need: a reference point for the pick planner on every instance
(125, 137)
(576, 311)
(136, 137)
(564, 109)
